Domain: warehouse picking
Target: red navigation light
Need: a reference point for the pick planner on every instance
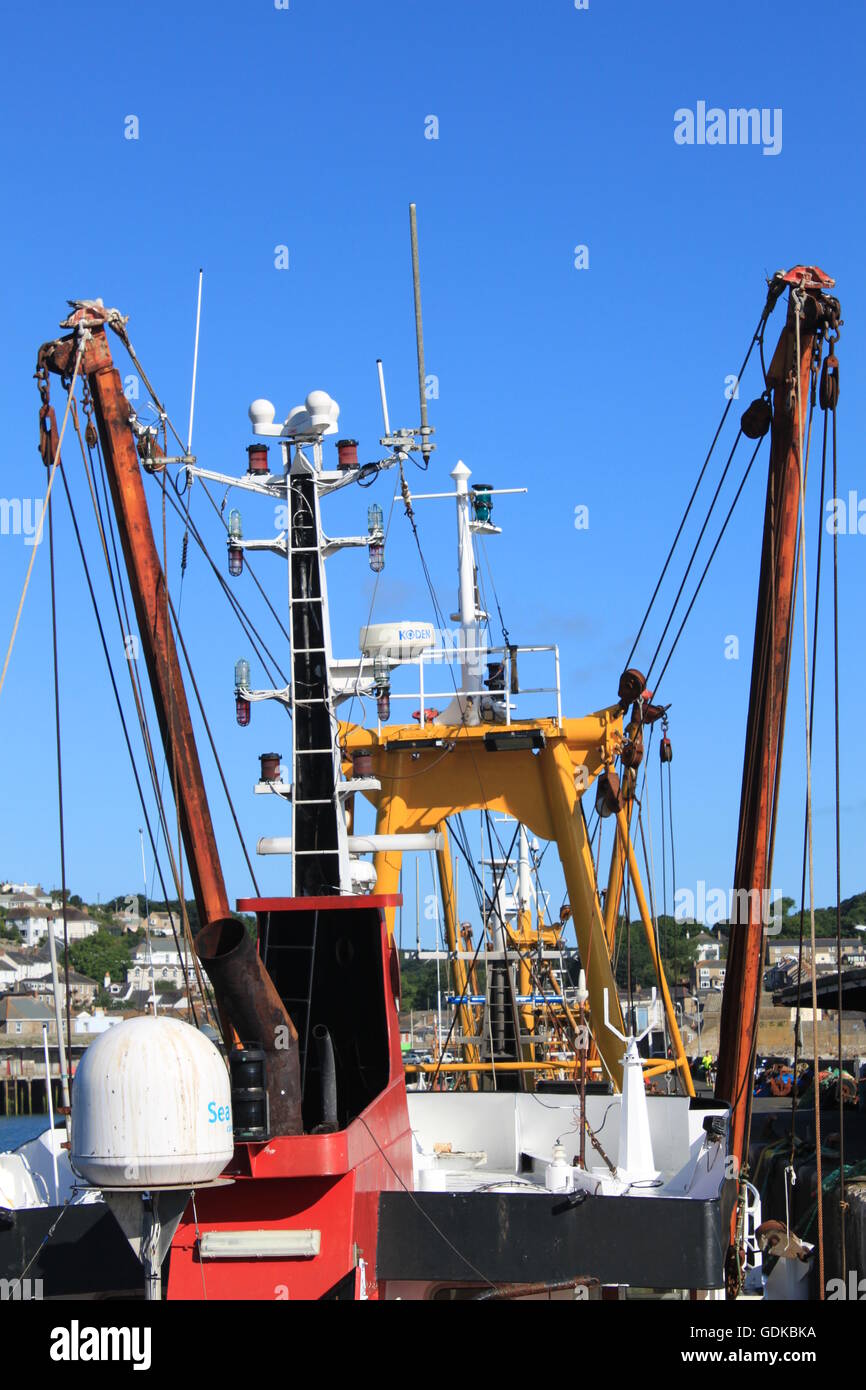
(347, 453)
(258, 458)
(270, 763)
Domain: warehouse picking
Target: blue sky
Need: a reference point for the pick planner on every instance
(601, 387)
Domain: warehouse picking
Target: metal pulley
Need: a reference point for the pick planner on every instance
(757, 418)
(632, 749)
(631, 686)
(666, 752)
(828, 393)
(608, 796)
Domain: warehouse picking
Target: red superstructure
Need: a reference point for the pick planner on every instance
(329, 1182)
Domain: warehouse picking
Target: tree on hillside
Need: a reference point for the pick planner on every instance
(100, 953)
(676, 945)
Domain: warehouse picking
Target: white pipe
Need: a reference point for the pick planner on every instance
(383, 397)
(50, 1112)
(466, 575)
(194, 366)
(58, 1017)
(361, 844)
(525, 881)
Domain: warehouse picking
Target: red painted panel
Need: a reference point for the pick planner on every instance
(325, 1182)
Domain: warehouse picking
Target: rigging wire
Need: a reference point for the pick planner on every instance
(60, 816)
(116, 585)
(54, 465)
(694, 553)
(797, 298)
(505, 638)
(816, 606)
(119, 703)
(462, 999)
(707, 566)
(843, 1204)
(757, 337)
(247, 566)
(250, 631)
(199, 701)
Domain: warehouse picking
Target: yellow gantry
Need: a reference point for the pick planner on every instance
(430, 773)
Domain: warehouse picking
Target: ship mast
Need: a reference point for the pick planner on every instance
(811, 312)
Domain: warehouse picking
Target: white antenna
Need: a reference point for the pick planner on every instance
(194, 365)
(628, 1038)
(383, 397)
(147, 924)
(419, 335)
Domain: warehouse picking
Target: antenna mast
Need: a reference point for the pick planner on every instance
(194, 365)
(419, 336)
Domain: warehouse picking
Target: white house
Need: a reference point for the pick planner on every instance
(168, 967)
(18, 966)
(97, 1022)
(706, 946)
(23, 895)
(8, 973)
(34, 922)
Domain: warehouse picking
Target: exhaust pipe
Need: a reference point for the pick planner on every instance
(246, 991)
(328, 1073)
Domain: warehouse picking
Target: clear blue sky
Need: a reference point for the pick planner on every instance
(306, 127)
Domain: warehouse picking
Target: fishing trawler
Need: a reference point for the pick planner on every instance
(545, 1167)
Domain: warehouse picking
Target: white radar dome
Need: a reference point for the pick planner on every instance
(151, 1106)
(262, 413)
(399, 641)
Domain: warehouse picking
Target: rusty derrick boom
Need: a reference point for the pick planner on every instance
(245, 994)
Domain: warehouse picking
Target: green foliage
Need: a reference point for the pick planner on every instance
(173, 906)
(101, 952)
(852, 912)
(102, 915)
(7, 933)
(677, 949)
(418, 982)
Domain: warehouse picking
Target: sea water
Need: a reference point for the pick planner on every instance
(17, 1129)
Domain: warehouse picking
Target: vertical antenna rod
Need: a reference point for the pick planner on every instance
(383, 396)
(147, 923)
(419, 335)
(194, 366)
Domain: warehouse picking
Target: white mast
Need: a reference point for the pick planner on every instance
(524, 880)
(470, 656)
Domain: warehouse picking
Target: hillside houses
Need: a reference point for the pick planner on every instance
(28, 973)
(34, 922)
(25, 895)
(169, 968)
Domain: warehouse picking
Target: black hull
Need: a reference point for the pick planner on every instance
(87, 1256)
(647, 1242)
